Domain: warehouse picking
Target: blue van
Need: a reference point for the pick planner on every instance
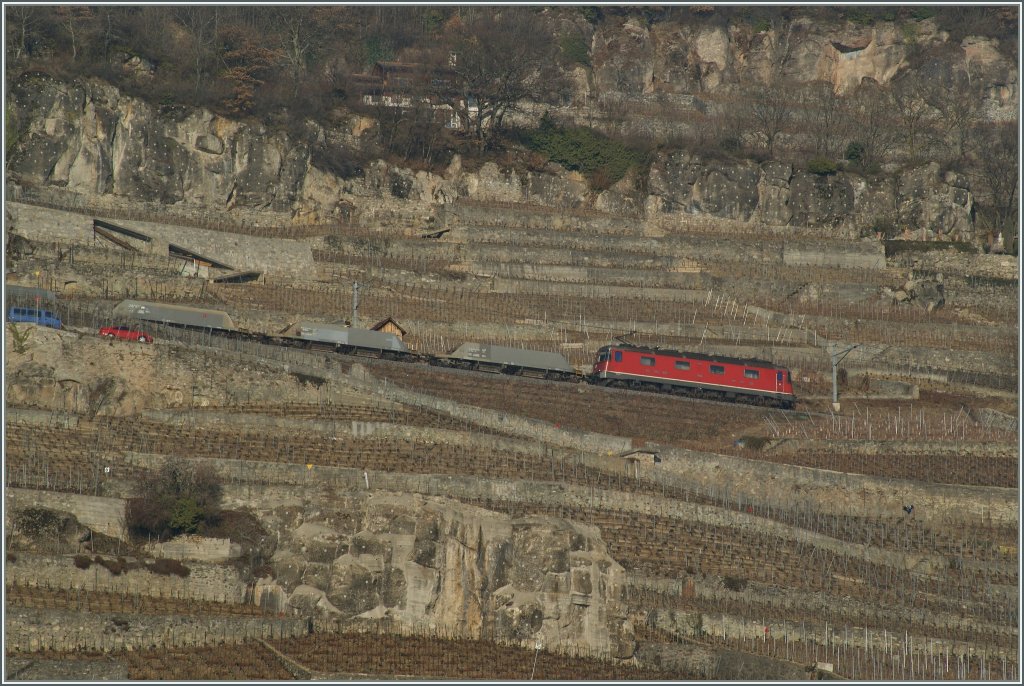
(34, 316)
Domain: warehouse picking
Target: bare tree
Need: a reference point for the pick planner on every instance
(995, 173)
(825, 115)
(782, 40)
(22, 21)
(202, 23)
(500, 61)
(771, 107)
(300, 34)
(958, 104)
(72, 19)
(873, 118)
(910, 109)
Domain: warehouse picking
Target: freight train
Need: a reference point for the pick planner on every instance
(697, 375)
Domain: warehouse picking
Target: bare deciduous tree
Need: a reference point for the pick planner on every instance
(995, 173)
(911, 110)
(825, 116)
(958, 104)
(771, 107)
(22, 21)
(873, 116)
(72, 20)
(501, 59)
(202, 24)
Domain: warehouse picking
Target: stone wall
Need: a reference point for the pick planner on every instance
(196, 548)
(205, 581)
(102, 515)
(28, 630)
(268, 485)
(280, 257)
(856, 255)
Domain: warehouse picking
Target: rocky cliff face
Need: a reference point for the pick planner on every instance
(777, 194)
(89, 138)
(675, 61)
(433, 562)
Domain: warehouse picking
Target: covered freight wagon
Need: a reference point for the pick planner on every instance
(347, 337)
(499, 358)
(175, 315)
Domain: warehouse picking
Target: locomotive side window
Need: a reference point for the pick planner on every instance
(717, 369)
(682, 364)
(751, 373)
(618, 356)
(647, 361)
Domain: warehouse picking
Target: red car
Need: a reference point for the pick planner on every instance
(126, 333)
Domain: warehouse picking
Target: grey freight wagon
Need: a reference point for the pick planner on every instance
(349, 340)
(175, 315)
(518, 361)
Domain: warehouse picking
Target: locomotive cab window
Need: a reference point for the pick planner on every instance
(603, 357)
(647, 361)
(751, 373)
(682, 364)
(717, 369)
(618, 356)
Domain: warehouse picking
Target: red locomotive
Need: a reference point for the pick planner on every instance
(694, 374)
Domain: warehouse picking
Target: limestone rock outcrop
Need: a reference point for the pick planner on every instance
(433, 562)
(659, 79)
(777, 194)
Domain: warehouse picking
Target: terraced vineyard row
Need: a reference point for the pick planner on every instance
(85, 600)
(73, 460)
(669, 547)
(391, 656)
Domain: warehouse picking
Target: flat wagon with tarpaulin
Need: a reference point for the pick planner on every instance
(486, 357)
(175, 315)
(348, 340)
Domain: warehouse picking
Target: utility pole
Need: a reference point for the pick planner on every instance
(837, 357)
(355, 304)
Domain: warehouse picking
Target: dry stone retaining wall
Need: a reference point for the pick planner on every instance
(205, 581)
(102, 515)
(29, 629)
(196, 548)
(276, 256)
(274, 485)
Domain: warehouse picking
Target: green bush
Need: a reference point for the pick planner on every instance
(820, 165)
(731, 144)
(603, 160)
(859, 15)
(855, 152)
(186, 516)
(884, 226)
(575, 49)
(180, 497)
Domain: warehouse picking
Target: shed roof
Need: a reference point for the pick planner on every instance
(383, 322)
